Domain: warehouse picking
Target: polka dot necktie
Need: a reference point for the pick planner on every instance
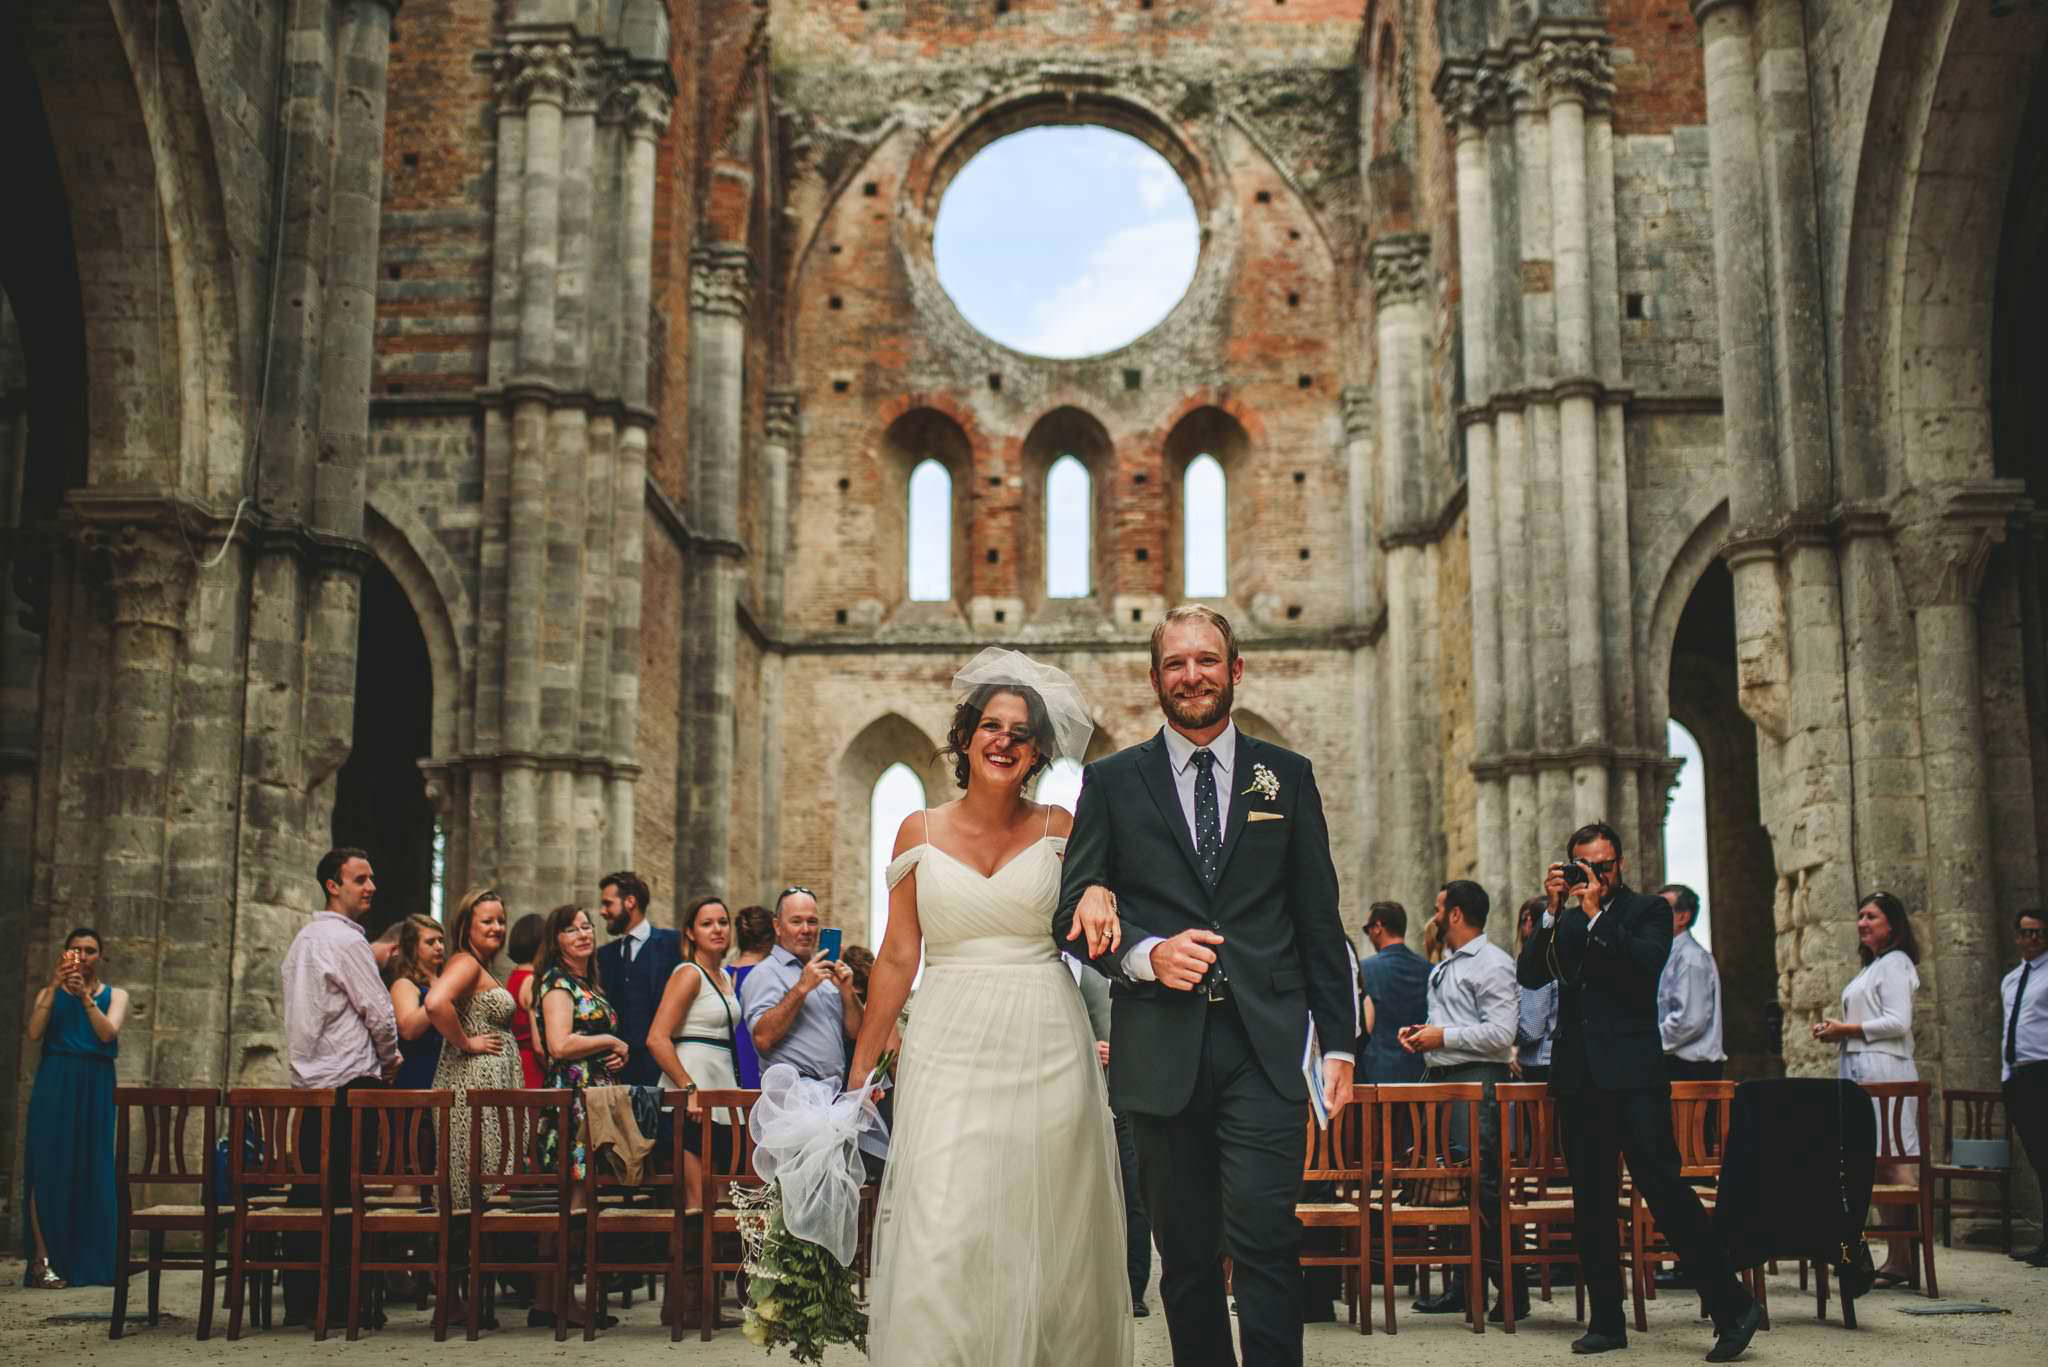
(1208, 824)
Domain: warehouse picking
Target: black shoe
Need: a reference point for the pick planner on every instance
(1734, 1339)
(1593, 1341)
(2038, 1258)
(2027, 1256)
(1449, 1301)
(1496, 1315)
(1139, 1310)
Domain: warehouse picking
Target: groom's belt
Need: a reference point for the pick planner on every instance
(1214, 988)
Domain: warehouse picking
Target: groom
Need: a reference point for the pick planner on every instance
(1212, 849)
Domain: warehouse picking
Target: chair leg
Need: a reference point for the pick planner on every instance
(236, 1288)
(1820, 1291)
(470, 1330)
(1927, 1247)
(441, 1286)
(156, 1276)
(123, 1270)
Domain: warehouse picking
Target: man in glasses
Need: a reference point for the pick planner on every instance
(1605, 945)
(2023, 1050)
(801, 1006)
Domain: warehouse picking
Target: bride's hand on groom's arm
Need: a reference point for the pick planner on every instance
(1096, 918)
(1183, 961)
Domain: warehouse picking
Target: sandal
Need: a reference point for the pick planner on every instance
(1885, 1281)
(39, 1277)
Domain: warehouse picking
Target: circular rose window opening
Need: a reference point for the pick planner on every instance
(1066, 241)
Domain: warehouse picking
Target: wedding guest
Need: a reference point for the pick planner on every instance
(67, 1191)
(1689, 997)
(753, 932)
(2023, 1051)
(473, 1012)
(860, 962)
(422, 947)
(1538, 1022)
(1875, 1034)
(693, 1032)
(634, 967)
(799, 1005)
(340, 1033)
(1395, 985)
(520, 947)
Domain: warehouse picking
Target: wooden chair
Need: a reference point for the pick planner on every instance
(1341, 1157)
(517, 1198)
(1535, 1191)
(1893, 1099)
(1983, 1118)
(720, 1216)
(280, 1118)
(399, 1139)
(1426, 1109)
(166, 1163)
(1699, 1122)
(606, 1218)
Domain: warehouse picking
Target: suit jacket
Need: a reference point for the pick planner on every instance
(634, 989)
(1607, 978)
(1274, 903)
(1397, 980)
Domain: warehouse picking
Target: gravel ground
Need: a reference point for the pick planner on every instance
(1886, 1334)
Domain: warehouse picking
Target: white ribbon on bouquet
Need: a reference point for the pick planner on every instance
(807, 1140)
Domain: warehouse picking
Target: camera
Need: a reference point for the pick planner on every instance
(1575, 875)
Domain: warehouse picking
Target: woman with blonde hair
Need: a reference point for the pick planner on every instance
(473, 1012)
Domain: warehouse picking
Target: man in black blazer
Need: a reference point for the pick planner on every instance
(1605, 948)
(1198, 879)
(633, 969)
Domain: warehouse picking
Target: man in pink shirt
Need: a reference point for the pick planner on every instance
(340, 1032)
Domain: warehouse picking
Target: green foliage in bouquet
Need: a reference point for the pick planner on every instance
(799, 1297)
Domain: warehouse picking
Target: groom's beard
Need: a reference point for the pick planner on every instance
(1192, 714)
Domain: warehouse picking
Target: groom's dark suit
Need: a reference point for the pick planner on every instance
(1214, 1088)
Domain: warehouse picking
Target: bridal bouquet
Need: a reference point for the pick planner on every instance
(800, 1230)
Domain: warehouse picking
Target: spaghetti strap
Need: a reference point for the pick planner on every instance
(1046, 834)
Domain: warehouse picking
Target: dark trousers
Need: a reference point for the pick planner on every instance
(1221, 1178)
(2026, 1101)
(301, 1289)
(1693, 1070)
(1137, 1224)
(1460, 1145)
(1600, 1126)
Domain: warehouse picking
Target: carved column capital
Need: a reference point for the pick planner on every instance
(1702, 8)
(721, 281)
(1400, 269)
(148, 570)
(642, 105)
(1575, 70)
(591, 78)
(1470, 97)
(1359, 402)
(1942, 538)
(534, 73)
(779, 422)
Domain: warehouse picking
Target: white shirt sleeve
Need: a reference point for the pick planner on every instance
(1138, 960)
(1891, 995)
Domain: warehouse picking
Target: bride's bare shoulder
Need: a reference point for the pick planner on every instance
(1059, 821)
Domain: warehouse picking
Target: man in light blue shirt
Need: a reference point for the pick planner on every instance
(1689, 997)
(800, 1007)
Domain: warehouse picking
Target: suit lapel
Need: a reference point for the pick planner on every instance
(1157, 767)
(1240, 801)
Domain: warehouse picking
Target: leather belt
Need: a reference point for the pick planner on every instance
(1216, 991)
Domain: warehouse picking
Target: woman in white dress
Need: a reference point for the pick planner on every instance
(999, 1240)
(692, 1037)
(1876, 1037)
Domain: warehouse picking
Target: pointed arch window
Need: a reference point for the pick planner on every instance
(1060, 784)
(898, 793)
(1685, 828)
(1068, 502)
(930, 533)
(1204, 525)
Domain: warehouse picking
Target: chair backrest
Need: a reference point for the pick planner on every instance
(1531, 1141)
(598, 1175)
(1425, 1108)
(737, 1169)
(399, 1139)
(166, 1157)
(1895, 1101)
(1341, 1153)
(1983, 1117)
(280, 1119)
(521, 1115)
(1699, 1122)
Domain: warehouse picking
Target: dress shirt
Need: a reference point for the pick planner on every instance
(2032, 1036)
(636, 939)
(815, 1043)
(338, 1021)
(1474, 996)
(1689, 1002)
(1880, 999)
(1538, 1026)
(1180, 756)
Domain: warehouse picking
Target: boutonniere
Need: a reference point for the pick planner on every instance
(1263, 783)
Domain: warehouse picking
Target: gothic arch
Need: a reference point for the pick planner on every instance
(1256, 726)
(890, 738)
(920, 434)
(1213, 431)
(432, 586)
(1684, 556)
(1066, 430)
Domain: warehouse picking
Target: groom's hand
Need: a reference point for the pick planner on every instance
(1096, 916)
(1183, 961)
(1336, 1084)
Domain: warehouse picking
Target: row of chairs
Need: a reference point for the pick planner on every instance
(1395, 1185)
(282, 1184)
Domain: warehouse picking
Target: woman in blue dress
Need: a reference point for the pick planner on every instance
(69, 1174)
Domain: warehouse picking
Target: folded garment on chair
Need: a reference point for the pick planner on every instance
(1796, 1171)
(612, 1134)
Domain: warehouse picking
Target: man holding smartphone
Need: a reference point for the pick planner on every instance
(799, 1004)
(1605, 946)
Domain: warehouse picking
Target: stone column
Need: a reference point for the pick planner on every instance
(779, 443)
(1400, 280)
(721, 293)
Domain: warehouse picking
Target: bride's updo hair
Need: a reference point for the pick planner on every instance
(967, 716)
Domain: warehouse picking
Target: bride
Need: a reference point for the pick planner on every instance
(1000, 1233)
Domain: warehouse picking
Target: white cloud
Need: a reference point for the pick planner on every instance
(1129, 284)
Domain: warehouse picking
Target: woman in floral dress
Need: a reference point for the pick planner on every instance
(473, 1013)
(577, 1031)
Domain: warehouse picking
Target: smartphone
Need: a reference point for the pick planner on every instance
(828, 943)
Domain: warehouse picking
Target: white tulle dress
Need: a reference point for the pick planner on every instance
(999, 1240)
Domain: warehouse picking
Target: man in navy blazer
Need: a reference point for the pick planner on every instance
(633, 969)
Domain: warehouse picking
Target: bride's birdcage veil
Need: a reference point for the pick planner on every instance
(1064, 705)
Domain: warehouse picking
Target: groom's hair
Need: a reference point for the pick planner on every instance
(1195, 612)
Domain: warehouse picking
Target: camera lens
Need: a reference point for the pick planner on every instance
(1574, 875)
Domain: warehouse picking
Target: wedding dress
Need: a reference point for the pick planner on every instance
(999, 1240)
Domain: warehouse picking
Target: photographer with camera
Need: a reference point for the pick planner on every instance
(1605, 945)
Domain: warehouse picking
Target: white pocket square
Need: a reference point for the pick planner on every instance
(1264, 816)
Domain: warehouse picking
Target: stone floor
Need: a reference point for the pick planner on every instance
(70, 1327)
